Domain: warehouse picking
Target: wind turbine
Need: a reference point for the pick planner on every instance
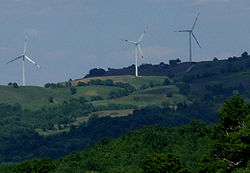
(24, 57)
(137, 47)
(191, 34)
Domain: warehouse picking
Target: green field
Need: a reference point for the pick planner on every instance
(30, 97)
(37, 97)
(146, 97)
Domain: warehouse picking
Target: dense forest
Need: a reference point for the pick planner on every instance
(196, 147)
(20, 140)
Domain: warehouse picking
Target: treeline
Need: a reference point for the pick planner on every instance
(171, 69)
(128, 87)
(214, 68)
(194, 148)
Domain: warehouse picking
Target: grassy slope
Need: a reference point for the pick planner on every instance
(36, 97)
(149, 96)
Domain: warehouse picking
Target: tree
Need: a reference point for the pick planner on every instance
(174, 62)
(51, 99)
(35, 166)
(230, 148)
(232, 115)
(73, 90)
(161, 163)
(47, 85)
(184, 88)
(166, 82)
(96, 72)
(15, 85)
(244, 55)
(215, 59)
(82, 100)
(81, 84)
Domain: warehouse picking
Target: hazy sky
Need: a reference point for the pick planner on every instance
(69, 37)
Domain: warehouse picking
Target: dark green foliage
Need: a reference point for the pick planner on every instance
(35, 166)
(219, 89)
(96, 72)
(232, 115)
(19, 125)
(7, 168)
(93, 98)
(51, 99)
(174, 62)
(54, 85)
(15, 85)
(128, 87)
(82, 100)
(47, 85)
(184, 88)
(81, 84)
(215, 59)
(244, 55)
(230, 148)
(231, 68)
(161, 163)
(196, 148)
(166, 82)
(115, 107)
(169, 95)
(23, 125)
(137, 151)
(73, 90)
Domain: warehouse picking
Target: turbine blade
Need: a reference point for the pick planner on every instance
(195, 21)
(15, 59)
(25, 45)
(196, 40)
(129, 41)
(139, 48)
(33, 62)
(142, 36)
(183, 31)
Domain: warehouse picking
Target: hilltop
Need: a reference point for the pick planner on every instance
(197, 77)
(177, 68)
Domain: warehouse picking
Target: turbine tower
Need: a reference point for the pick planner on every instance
(191, 34)
(137, 48)
(24, 57)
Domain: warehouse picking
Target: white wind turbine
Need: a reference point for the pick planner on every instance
(191, 34)
(137, 47)
(24, 57)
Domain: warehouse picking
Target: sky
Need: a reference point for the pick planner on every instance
(67, 38)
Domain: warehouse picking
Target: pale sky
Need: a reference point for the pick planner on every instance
(69, 37)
